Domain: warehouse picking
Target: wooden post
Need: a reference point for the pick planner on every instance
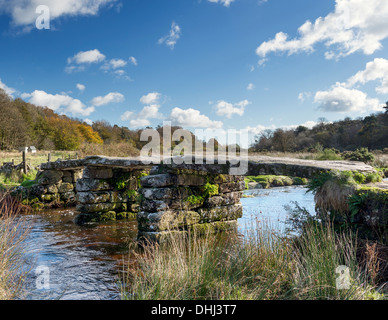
(76, 156)
(49, 157)
(24, 163)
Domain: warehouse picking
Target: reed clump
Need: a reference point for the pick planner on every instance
(13, 232)
(260, 265)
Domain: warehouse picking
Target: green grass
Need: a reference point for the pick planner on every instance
(262, 265)
(18, 178)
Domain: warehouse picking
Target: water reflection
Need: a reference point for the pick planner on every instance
(84, 262)
(268, 205)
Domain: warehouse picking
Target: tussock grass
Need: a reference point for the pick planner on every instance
(13, 232)
(260, 265)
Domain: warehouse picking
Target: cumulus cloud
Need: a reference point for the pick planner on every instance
(260, 128)
(250, 87)
(354, 25)
(303, 96)
(151, 98)
(342, 99)
(87, 57)
(142, 119)
(149, 111)
(112, 97)
(126, 115)
(23, 13)
(171, 39)
(376, 70)
(133, 61)
(226, 3)
(60, 103)
(114, 64)
(346, 96)
(7, 89)
(227, 109)
(80, 87)
(192, 118)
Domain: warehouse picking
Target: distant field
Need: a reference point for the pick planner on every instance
(35, 159)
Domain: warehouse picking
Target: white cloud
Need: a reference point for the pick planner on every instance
(9, 91)
(259, 129)
(139, 123)
(354, 25)
(23, 12)
(303, 96)
(88, 121)
(59, 102)
(227, 109)
(250, 87)
(374, 70)
(133, 61)
(126, 115)
(150, 111)
(341, 99)
(173, 36)
(114, 64)
(142, 118)
(112, 97)
(151, 98)
(308, 124)
(87, 57)
(80, 87)
(192, 118)
(226, 3)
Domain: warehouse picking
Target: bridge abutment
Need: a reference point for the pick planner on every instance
(183, 200)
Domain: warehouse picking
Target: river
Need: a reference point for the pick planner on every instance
(84, 263)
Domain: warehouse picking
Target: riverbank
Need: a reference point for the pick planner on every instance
(262, 265)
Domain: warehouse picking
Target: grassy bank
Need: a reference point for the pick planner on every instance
(12, 234)
(261, 265)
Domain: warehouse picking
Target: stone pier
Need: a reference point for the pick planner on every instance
(188, 197)
(106, 193)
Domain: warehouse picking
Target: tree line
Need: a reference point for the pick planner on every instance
(345, 135)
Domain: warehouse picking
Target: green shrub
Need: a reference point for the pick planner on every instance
(362, 155)
(373, 178)
(359, 177)
(329, 154)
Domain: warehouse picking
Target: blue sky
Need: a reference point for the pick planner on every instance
(225, 64)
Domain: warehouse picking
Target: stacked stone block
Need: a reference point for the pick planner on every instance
(106, 193)
(55, 188)
(175, 199)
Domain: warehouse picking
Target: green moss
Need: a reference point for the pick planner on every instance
(142, 174)
(268, 181)
(38, 206)
(210, 190)
(373, 178)
(28, 183)
(195, 200)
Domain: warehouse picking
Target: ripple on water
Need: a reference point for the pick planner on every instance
(84, 262)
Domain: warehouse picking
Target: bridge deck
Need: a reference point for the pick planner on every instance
(208, 164)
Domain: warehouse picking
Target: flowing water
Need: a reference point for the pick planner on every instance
(84, 263)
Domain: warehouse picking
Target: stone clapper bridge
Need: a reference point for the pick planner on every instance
(178, 193)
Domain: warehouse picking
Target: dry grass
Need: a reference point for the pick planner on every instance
(262, 265)
(332, 196)
(13, 232)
